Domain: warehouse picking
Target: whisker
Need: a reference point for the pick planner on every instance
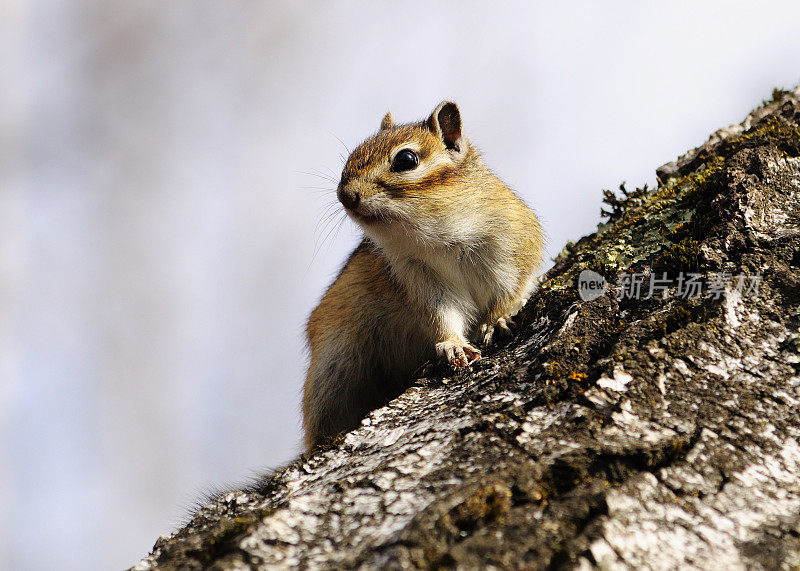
(336, 233)
(322, 176)
(334, 230)
(318, 247)
(327, 216)
(342, 142)
(332, 177)
(318, 188)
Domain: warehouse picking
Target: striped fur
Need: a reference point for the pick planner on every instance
(449, 254)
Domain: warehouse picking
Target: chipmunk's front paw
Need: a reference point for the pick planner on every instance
(458, 352)
(490, 331)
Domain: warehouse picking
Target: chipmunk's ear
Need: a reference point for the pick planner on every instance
(445, 122)
(387, 122)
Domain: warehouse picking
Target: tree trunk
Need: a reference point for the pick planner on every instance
(624, 430)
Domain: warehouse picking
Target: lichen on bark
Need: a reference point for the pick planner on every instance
(617, 432)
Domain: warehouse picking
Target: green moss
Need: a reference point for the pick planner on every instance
(619, 205)
(785, 136)
(565, 252)
(553, 370)
(563, 285)
(777, 95)
(658, 226)
(678, 256)
(328, 443)
(488, 504)
(650, 220)
(223, 538)
(664, 227)
(675, 319)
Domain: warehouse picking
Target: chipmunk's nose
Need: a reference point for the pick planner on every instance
(349, 198)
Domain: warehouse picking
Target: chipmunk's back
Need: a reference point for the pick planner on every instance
(364, 340)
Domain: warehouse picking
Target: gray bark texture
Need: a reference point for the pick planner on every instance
(623, 432)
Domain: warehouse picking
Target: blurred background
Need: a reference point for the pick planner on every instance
(165, 169)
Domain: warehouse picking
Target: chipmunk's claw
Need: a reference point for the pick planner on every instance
(491, 331)
(458, 353)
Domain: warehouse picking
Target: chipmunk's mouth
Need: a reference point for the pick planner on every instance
(368, 217)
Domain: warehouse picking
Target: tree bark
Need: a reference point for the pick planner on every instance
(622, 432)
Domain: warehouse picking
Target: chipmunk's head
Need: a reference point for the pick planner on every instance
(409, 178)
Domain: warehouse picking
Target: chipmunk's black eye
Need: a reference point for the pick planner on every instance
(405, 160)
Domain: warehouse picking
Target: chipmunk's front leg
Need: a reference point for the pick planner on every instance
(449, 329)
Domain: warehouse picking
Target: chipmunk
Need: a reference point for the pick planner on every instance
(449, 254)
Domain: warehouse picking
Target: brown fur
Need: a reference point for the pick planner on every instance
(450, 253)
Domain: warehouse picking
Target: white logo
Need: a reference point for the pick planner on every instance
(591, 285)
